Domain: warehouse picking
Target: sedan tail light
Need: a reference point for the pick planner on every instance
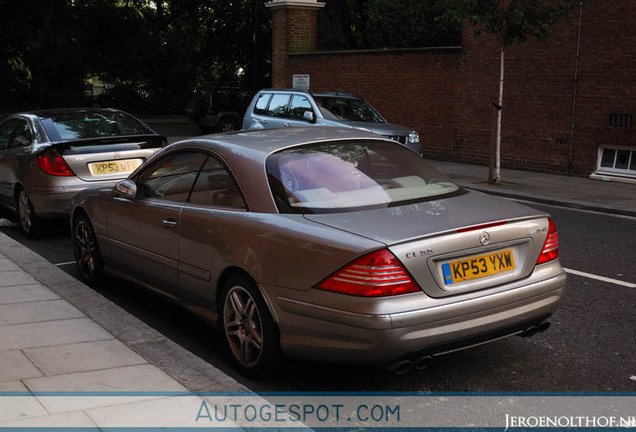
(550, 249)
(52, 163)
(374, 275)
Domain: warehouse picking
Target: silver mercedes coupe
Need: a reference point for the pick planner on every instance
(327, 244)
(47, 156)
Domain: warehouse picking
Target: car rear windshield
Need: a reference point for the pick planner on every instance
(347, 108)
(86, 125)
(352, 175)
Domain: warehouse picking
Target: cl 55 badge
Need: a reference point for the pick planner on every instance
(536, 231)
(421, 253)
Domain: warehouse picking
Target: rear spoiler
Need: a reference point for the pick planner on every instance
(114, 143)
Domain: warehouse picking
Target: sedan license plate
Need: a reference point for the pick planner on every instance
(477, 267)
(114, 167)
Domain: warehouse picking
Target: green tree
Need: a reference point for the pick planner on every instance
(385, 24)
(42, 48)
(511, 22)
(154, 52)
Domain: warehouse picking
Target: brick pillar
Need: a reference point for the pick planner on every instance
(293, 30)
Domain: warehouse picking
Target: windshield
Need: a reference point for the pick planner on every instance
(352, 175)
(347, 108)
(87, 124)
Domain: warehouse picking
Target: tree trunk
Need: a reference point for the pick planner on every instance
(497, 179)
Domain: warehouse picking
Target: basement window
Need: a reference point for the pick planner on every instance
(621, 120)
(617, 160)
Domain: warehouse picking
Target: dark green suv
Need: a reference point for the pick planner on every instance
(218, 109)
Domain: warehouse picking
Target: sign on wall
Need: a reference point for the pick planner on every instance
(301, 81)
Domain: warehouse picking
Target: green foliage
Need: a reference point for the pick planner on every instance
(379, 24)
(511, 21)
(151, 53)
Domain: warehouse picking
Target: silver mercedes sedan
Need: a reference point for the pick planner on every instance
(325, 244)
(47, 156)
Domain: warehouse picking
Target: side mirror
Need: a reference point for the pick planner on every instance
(309, 116)
(126, 189)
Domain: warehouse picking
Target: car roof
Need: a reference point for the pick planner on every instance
(319, 94)
(45, 113)
(262, 142)
(246, 152)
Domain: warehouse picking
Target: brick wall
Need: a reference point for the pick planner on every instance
(411, 88)
(447, 95)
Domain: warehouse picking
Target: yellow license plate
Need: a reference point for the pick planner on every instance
(114, 167)
(477, 267)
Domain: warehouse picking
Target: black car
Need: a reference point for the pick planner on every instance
(218, 109)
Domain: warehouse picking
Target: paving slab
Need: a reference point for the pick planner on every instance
(15, 366)
(7, 265)
(25, 293)
(16, 277)
(36, 311)
(83, 357)
(177, 412)
(19, 408)
(132, 380)
(75, 419)
(49, 333)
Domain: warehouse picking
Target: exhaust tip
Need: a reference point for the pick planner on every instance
(530, 331)
(399, 367)
(423, 362)
(533, 330)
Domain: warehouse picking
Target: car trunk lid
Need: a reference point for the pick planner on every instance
(456, 245)
(108, 158)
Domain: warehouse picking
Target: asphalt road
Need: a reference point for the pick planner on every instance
(591, 345)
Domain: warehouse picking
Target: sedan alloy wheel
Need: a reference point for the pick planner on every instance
(29, 222)
(87, 254)
(248, 329)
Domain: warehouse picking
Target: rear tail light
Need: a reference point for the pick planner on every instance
(52, 163)
(374, 275)
(550, 249)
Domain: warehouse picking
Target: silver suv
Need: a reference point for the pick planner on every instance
(271, 108)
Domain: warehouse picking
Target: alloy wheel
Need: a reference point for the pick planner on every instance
(87, 254)
(243, 327)
(29, 222)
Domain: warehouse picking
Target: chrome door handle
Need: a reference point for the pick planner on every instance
(287, 124)
(170, 223)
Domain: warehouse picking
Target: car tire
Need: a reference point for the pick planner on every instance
(249, 331)
(88, 257)
(227, 125)
(30, 223)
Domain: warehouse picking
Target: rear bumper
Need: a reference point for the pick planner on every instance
(49, 203)
(309, 331)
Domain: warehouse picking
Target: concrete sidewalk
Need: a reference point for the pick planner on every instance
(59, 336)
(575, 192)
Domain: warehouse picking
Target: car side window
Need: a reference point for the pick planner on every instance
(216, 187)
(6, 130)
(22, 135)
(171, 177)
(278, 105)
(261, 103)
(299, 106)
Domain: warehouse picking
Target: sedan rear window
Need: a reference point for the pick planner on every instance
(83, 125)
(352, 175)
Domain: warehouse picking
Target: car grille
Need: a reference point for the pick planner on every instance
(402, 139)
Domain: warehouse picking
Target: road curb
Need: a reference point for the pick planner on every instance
(188, 369)
(580, 205)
